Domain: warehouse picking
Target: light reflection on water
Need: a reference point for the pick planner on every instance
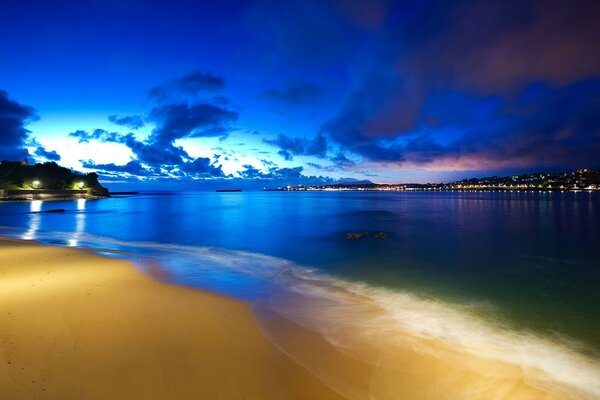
(35, 206)
(79, 223)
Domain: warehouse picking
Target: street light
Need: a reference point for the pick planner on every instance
(80, 184)
(36, 183)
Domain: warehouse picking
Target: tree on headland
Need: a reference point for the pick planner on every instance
(15, 175)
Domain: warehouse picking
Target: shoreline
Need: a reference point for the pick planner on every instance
(277, 348)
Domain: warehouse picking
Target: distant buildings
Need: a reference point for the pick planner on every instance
(582, 179)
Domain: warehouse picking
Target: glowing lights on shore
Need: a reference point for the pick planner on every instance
(35, 183)
(80, 185)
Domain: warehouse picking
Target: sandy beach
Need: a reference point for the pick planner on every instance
(75, 325)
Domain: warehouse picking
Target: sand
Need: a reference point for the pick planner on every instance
(75, 325)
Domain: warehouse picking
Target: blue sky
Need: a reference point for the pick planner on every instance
(266, 92)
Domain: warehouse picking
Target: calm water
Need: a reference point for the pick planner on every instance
(530, 260)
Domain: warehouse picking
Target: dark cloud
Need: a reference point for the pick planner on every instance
(179, 120)
(341, 161)
(40, 151)
(100, 135)
(274, 173)
(286, 155)
(202, 167)
(128, 121)
(154, 152)
(13, 134)
(199, 168)
(484, 55)
(151, 152)
(277, 177)
(250, 172)
(497, 46)
(549, 127)
(188, 85)
(406, 61)
(132, 167)
(316, 146)
(294, 94)
(268, 163)
(377, 109)
(48, 155)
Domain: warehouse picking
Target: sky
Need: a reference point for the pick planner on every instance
(268, 93)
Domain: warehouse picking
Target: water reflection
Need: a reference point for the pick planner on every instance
(79, 224)
(35, 207)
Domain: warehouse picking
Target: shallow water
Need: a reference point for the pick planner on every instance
(512, 275)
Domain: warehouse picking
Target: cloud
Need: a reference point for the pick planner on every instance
(189, 85)
(294, 94)
(154, 152)
(552, 127)
(286, 155)
(316, 146)
(132, 167)
(40, 151)
(277, 177)
(179, 120)
(100, 135)
(202, 167)
(13, 134)
(510, 43)
(48, 155)
(129, 121)
(460, 111)
(268, 163)
(381, 107)
(173, 120)
(274, 173)
(198, 168)
(546, 127)
(341, 161)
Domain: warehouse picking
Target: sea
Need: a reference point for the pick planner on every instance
(514, 276)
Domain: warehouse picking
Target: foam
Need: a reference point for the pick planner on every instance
(352, 315)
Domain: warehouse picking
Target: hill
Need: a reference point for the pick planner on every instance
(15, 175)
